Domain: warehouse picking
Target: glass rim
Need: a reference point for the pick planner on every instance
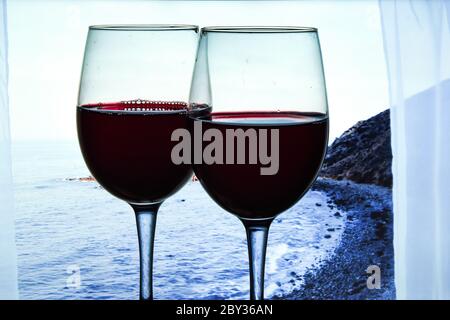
(259, 29)
(145, 27)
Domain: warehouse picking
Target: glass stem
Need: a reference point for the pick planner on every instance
(257, 233)
(146, 223)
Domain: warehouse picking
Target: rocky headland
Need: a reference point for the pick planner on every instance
(357, 177)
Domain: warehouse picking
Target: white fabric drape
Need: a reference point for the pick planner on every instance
(417, 46)
(8, 265)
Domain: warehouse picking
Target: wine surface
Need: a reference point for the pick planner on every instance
(127, 147)
(240, 188)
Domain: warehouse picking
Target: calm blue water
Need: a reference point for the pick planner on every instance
(75, 241)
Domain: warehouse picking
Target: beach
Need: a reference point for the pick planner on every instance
(366, 241)
(66, 224)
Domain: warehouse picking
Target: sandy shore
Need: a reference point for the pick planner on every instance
(367, 240)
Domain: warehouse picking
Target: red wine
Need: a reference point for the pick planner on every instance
(241, 188)
(127, 148)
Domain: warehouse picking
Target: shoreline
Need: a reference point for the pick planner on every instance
(366, 240)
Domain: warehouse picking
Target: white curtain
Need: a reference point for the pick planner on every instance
(417, 47)
(8, 265)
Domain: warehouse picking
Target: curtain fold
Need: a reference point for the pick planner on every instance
(416, 38)
(8, 264)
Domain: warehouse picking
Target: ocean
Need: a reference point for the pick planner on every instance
(76, 241)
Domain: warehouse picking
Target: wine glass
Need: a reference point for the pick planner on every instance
(133, 94)
(261, 110)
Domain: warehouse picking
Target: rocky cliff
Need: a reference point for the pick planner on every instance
(362, 153)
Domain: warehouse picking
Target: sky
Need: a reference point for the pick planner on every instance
(46, 44)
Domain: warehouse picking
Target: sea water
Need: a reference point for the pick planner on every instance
(76, 241)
